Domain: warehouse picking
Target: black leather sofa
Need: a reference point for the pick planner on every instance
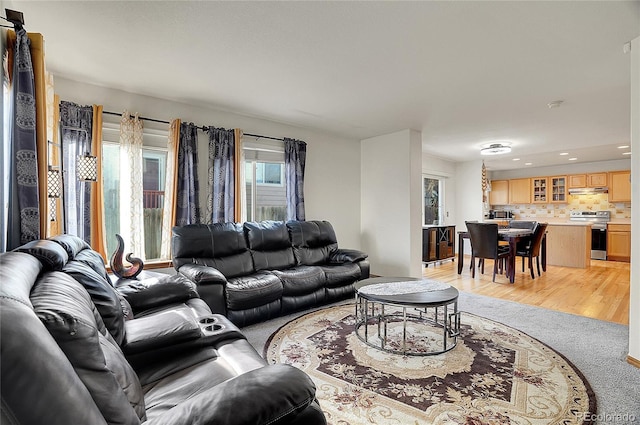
(76, 350)
(259, 270)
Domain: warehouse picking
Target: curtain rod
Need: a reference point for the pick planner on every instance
(203, 128)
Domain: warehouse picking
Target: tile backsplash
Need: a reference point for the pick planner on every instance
(593, 202)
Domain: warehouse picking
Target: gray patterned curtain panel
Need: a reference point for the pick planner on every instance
(76, 125)
(221, 175)
(188, 210)
(24, 209)
(295, 157)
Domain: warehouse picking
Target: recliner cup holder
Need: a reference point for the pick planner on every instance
(210, 324)
(213, 328)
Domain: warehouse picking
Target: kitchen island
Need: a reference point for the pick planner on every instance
(569, 244)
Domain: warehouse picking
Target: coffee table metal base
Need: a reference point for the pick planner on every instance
(444, 316)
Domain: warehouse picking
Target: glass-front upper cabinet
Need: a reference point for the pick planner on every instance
(558, 189)
(539, 190)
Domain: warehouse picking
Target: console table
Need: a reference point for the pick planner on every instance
(438, 243)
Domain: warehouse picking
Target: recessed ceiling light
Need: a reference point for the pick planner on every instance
(623, 147)
(555, 104)
(495, 149)
(527, 163)
(626, 153)
(564, 153)
(573, 159)
(516, 159)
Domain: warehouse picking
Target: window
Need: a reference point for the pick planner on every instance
(264, 188)
(433, 194)
(154, 160)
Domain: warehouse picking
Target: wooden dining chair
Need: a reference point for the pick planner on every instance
(533, 250)
(484, 245)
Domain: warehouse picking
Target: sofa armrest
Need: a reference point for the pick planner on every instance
(201, 275)
(341, 256)
(159, 330)
(156, 291)
(269, 395)
(211, 285)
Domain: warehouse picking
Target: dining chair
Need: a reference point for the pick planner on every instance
(484, 244)
(524, 244)
(533, 250)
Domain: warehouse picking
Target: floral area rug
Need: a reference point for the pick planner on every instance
(495, 375)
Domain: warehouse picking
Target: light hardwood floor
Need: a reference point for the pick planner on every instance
(600, 291)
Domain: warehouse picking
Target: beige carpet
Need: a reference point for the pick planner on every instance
(495, 375)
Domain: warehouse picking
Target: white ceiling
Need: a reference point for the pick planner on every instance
(462, 73)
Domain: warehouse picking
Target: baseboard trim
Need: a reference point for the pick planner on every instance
(633, 362)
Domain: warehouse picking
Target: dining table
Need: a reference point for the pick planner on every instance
(513, 236)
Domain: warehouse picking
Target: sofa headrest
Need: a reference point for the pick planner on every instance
(71, 243)
(66, 310)
(104, 296)
(313, 241)
(195, 243)
(311, 234)
(18, 272)
(269, 245)
(51, 255)
(267, 235)
(41, 384)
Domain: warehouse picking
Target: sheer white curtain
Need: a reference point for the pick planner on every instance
(131, 212)
(168, 212)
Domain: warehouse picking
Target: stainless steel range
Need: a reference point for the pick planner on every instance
(598, 220)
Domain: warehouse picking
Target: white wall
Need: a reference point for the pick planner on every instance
(468, 196)
(391, 203)
(634, 296)
(332, 177)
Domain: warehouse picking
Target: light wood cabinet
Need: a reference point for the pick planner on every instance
(520, 191)
(620, 186)
(539, 193)
(619, 242)
(577, 180)
(569, 245)
(587, 180)
(499, 194)
(596, 180)
(558, 189)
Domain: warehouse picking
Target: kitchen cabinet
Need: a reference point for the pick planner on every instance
(499, 194)
(619, 242)
(519, 191)
(577, 180)
(596, 179)
(620, 186)
(569, 245)
(558, 189)
(438, 243)
(539, 194)
(587, 180)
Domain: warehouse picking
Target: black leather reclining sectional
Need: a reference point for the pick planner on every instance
(76, 350)
(259, 270)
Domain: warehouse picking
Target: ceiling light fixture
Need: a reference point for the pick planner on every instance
(516, 159)
(495, 149)
(573, 159)
(555, 104)
(623, 147)
(564, 153)
(527, 163)
(626, 153)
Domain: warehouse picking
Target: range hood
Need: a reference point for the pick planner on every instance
(588, 190)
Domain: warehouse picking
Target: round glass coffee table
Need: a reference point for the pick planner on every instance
(408, 316)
